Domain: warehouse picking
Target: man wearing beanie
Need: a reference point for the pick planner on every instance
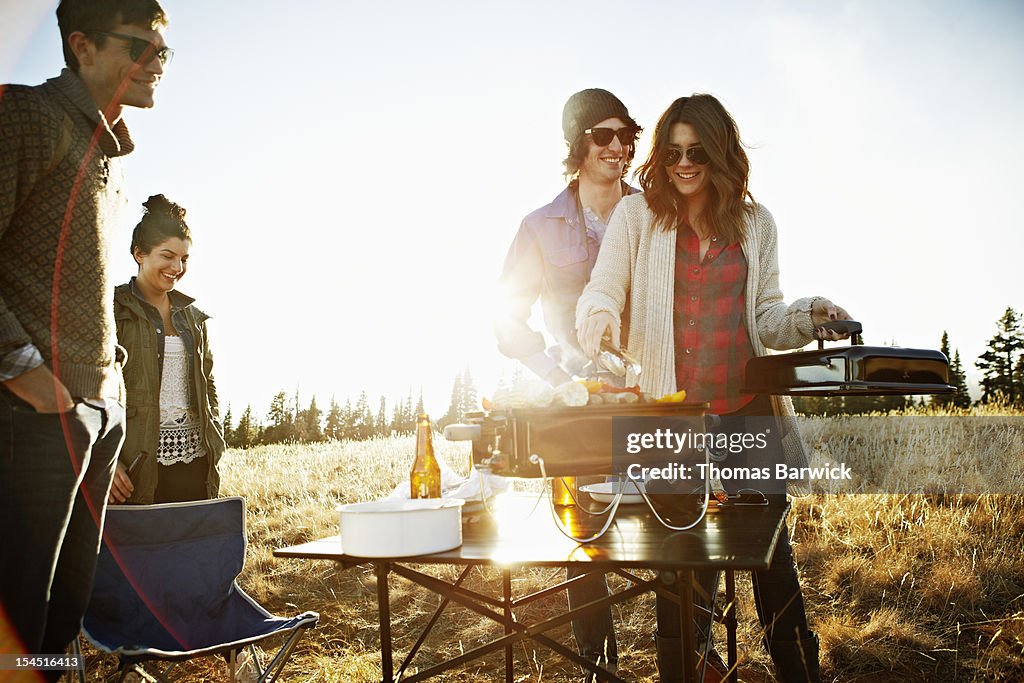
(550, 259)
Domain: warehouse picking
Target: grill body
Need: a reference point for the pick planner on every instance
(572, 441)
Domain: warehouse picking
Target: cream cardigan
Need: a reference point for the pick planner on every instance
(638, 261)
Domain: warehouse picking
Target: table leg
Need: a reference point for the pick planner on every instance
(506, 581)
(730, 623)
(684, 577)
(387, 668)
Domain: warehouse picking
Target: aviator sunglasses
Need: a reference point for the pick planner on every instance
(602, 137)
(141, 51)
(697, 155)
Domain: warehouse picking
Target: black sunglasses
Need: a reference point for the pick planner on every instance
(602, 137)
(141, 51)
(697, 155)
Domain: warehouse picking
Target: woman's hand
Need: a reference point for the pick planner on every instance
(822, 311)
(121, 487)
(594, 328)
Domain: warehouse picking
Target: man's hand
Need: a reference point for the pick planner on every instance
(41, 390)
(594, 328)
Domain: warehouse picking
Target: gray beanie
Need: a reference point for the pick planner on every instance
(588, 107)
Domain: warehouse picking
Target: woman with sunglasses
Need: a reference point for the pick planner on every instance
(696, 260)
(174, 438)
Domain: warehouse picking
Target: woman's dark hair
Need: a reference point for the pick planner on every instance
(162, 220)
(92, 16)
(578, 152)
(728, 169)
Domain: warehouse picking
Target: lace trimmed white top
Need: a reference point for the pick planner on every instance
(181, 434)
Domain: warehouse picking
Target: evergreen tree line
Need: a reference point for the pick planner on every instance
(288, 422)
(1002, 367)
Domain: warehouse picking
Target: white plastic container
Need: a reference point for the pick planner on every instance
(396, 527)
(605, 493)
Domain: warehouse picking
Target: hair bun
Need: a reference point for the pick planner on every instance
(159, 206)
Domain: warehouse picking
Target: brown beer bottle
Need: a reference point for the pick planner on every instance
(425, 477)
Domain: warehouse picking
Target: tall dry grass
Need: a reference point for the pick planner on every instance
(899, 586)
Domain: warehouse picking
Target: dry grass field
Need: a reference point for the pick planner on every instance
(900, 586)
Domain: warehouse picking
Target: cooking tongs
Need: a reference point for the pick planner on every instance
(619, 363)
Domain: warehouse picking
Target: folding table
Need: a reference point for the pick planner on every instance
(521, 534)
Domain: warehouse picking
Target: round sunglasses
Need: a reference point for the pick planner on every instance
(141, 51)
(602, 137)
(697, 155)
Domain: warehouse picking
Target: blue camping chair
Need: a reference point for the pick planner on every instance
(165, 590)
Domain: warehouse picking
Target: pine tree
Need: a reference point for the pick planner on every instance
(362, 419)
(246, 433)
(941, 400)
(348, 421)
(228, 429)
(454, 413)
(419, 409)
(282, 423)
(998, 362)
(333, 427)
(1018, 378)
(380, 426)
(470, 401)
(308, 423)
(409, 415)
(397, 416)
(958, 378)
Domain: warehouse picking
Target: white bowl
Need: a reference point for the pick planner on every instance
(605, 493)
(396, 527)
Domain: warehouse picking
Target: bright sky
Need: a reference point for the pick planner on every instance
(354, 172)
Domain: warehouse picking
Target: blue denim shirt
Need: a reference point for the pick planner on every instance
(550, 258)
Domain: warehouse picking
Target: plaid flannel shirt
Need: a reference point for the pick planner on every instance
(711, 343)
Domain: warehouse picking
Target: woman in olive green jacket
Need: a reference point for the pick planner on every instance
(174, 438)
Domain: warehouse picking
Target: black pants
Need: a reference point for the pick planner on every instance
(777, 596)
(182, 481)
(55, 473)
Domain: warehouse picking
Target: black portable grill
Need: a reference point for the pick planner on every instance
(850, 370)
(572, 441)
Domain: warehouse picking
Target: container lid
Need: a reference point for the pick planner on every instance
(401, 505)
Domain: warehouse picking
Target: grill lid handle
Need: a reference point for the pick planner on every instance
(850, 327)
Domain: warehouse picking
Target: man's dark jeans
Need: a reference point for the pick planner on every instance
(55, 473)
(594, 631)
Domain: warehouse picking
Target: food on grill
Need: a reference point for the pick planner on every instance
(530, 393)
(527, 393)
(570, 394)
(677, 397)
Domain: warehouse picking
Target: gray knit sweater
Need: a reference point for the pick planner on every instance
(55, 222)
(638, 261)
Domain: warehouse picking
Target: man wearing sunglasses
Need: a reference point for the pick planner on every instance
(550, 259)
(62, 391)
